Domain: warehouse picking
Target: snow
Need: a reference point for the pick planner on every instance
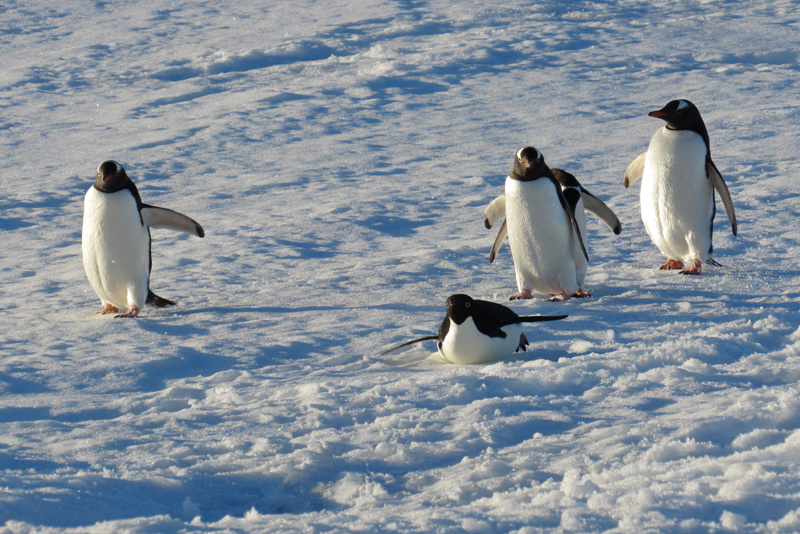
(339, 156)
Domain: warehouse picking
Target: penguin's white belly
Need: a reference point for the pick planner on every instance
(540, 238)
(115, 247)
(464, 344)
(677, 198)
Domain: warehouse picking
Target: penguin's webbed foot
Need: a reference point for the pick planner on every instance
(581, 294)
(561, 298)
(672, 265)
(523, 343)
(694, 269)
(522, 295)
(133, 311)
(108, 308)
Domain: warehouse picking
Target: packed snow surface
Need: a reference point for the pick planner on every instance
(339, 156)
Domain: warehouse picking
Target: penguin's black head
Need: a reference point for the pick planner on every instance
(679, 115)
(459, 307)
(528, 164)
(111, 177)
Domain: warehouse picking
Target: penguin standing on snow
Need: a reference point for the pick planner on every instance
(677, 193)
(116, 241)
(579, 200)
(542, 230)
(479, 331)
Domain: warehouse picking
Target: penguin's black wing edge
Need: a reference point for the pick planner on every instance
(407, 343)
(722, 189)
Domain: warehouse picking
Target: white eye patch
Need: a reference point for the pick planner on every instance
(519, 153)
(117, 166)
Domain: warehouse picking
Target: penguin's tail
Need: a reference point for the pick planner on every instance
(157, 302)
(712, 261)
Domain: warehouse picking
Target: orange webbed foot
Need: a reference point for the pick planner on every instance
(133, 311)
(694, 269)
(672, 265)
(524, 294)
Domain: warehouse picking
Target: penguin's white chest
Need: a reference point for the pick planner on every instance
(540, 237)
(677, 198)
(115, 246)
(464, 344)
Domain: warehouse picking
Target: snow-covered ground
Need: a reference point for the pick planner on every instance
(339, 156)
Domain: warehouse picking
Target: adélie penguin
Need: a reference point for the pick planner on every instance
(543, 232)
(578, 198)
(479, 331)
(677, 193)
(116, 241)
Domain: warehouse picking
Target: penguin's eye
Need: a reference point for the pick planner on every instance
(466, 304)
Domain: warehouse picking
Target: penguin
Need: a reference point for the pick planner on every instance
(677, 193)
(116, 241)
(578, 198)
(542, 229)
(478, 331)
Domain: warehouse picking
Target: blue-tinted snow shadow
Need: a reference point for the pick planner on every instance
(15, 381)
(13, 223)
(209, 496)
(394, 225)
(188, 362)
(295, 52)
(308, 249)
(16, 415)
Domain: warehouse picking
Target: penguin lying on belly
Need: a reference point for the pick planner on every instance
(579, 200)
(678, 183)
(479, 331)
(116, 241)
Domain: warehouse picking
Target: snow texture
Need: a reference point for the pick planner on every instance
(339, 156)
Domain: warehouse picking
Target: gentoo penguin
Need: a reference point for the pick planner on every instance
(116, 241)
(479, 331)
(578, 198)
(677, 193)
(542, 230)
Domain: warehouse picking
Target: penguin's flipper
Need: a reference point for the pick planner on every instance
(603, 212)
(569, 207)
(407, 343)
(635, 170)
(540, 318)
(501, 235)
(156, 217)
(494, 211)
(722, 190)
